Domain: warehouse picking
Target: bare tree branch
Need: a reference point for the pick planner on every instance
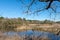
(31, 4)
(43, 0)
(49, 4)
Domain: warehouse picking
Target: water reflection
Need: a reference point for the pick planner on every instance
(35, 33)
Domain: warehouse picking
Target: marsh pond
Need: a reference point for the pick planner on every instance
(33, 35)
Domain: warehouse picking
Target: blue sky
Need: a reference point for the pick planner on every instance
(14, 9)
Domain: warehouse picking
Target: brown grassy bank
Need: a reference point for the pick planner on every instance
(55, 28)
(18, 24)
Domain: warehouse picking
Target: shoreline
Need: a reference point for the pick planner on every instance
(50, 28)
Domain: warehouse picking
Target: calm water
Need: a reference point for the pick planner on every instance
(35, 33)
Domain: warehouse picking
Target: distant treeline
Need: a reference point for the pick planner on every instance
(7, 24)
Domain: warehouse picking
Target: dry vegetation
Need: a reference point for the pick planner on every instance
(18, 24)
